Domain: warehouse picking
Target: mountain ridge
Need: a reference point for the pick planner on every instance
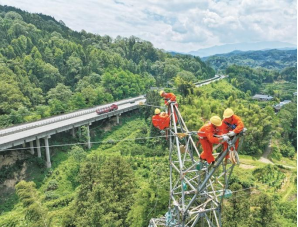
(227, 48)
(271, 59)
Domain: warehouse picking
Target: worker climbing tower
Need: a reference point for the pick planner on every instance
(197, 189)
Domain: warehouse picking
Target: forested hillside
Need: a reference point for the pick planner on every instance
(123, 180)
(47, 69)
(269, 59)
(251, 79)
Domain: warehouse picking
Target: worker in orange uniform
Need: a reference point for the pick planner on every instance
(169, 97)
(160, 120)
(207, 137)
(232, 125)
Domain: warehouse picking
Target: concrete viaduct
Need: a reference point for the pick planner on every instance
(43, 129)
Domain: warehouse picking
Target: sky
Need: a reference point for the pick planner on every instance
(175, 25)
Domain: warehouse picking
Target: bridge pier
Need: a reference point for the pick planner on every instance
(73, 132)
(88, 137)
(31, 148)
(46, 140)
(38, 148)
(118, 116)
(80, 131)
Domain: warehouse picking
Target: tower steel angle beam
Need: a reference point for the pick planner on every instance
(197, 189)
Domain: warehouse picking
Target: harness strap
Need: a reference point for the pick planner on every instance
(231, 126)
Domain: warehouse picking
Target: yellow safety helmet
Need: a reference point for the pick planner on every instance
(157, 111)
(161, 92)
(228, 113)
(215, 120)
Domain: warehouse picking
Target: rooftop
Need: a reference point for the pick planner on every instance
(278, 106)
(258, 96)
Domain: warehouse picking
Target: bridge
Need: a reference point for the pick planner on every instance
(211, 80)
(43, 129)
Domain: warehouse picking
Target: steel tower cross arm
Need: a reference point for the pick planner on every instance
(194, 187)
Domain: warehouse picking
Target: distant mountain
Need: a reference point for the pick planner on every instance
(242, 47)
(173, 53)
(270, 59)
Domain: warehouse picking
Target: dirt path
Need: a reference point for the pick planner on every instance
(246, 166)
(266, 153)
(265, 160)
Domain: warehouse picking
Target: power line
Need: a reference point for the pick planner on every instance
(162, 107)
(102, 142)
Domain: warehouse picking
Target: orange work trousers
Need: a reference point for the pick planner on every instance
(225, 146)
(207, 150)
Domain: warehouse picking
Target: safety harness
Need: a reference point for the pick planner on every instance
(231, 126)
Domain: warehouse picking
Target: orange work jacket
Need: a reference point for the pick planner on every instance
(169, 97)
(232, 124)
(208, 131)
(161, 121)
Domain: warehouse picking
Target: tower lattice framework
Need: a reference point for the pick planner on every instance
(197, 189)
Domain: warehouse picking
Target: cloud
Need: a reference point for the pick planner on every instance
(176, 25)
(118, 2)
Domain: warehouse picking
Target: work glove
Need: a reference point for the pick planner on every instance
(225, 138)
(231, 133)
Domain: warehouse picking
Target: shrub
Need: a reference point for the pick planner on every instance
(52, 185)
(51, 195)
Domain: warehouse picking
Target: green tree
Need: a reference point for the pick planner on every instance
(184, 86)
(77, 101)
(35, 212)
(237, 210)
(11, 15)
(11, 96)
(51, 77)
(117, 176)
(264, 214)
(144, 201)
(60, 92)
(105, 194)
(74, 65)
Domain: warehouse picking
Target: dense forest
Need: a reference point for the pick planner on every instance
(269, 59)
(47, 69)
(250, 79)
(123, 180)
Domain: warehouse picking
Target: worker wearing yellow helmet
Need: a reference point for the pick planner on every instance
(157, 111)
(232, 125)
(168, 97)
(207, 139)
(160, 120)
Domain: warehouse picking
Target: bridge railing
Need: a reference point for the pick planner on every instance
(50, 120)
(208, 80)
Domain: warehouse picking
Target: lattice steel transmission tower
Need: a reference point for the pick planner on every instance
(197, 189)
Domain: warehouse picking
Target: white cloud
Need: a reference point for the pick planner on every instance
(179, 25)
